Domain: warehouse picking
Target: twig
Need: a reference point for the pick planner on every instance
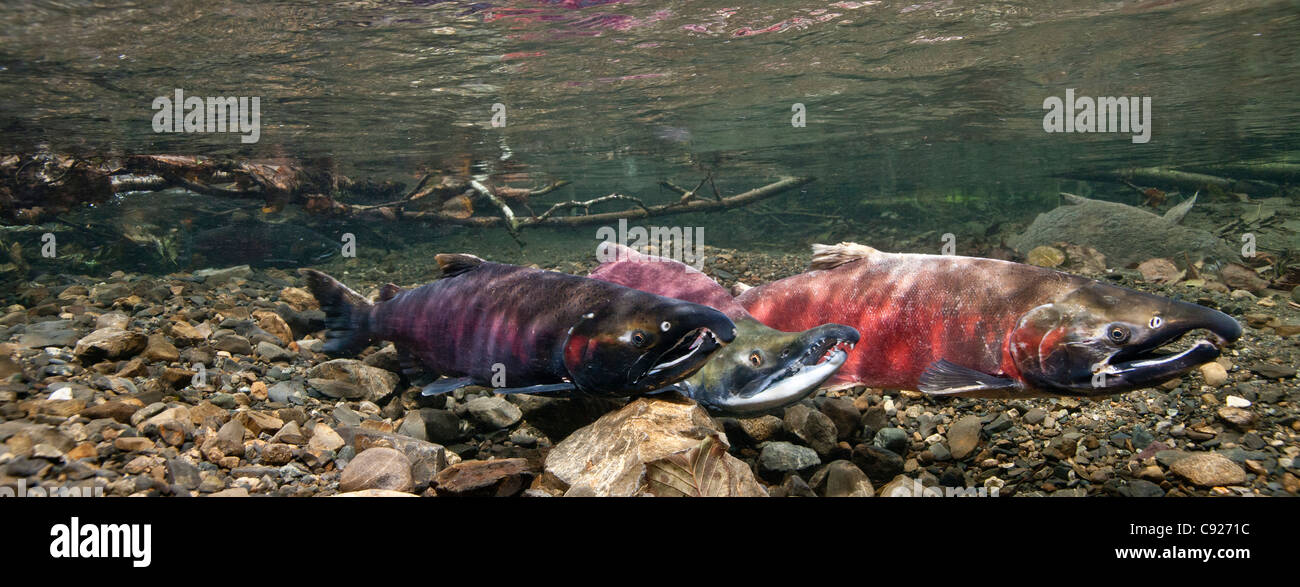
(586, 205)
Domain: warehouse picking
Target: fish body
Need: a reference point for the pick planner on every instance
(763, 369)
(1123, 233)
(519, 329)
(987, 328)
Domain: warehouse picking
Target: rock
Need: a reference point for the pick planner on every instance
(778, 458)
(1214, 373)
(375, 493)
(1209, 470)
(1045, 256)
(274, 324)
(843, 413)
(377, 468)
(1241, 418)
(110, 344)
(963, 437)
(185, 334)
(1143, 488)
(375, 384)
(500, 478)
(160, 349)
(325, 438)
(424, 456)
(232, 492)
(440, 426)
(812, 427)
(842, 479)
(230, 438)
(272, 353)
(609, 456)
(1237, 276)
(298, 298)
(57, 333)
(220, 276)
(1234, 401)
(259, 422)
(233, 344)
(1160, 271)
(182, 472)
(1035, 415)
(287, 392)
(1062, 447)
(879, 464)
(492, 412)
(290, 433)
(1273, 370)
(761, 429)
(1000, 423)
(133, 444)
(894, 440)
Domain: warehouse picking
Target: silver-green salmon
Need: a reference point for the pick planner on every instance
(763, 369)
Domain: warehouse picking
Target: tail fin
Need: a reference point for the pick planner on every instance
(347, 314)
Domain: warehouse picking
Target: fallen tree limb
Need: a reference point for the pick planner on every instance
(741, 199)
(1179, 179)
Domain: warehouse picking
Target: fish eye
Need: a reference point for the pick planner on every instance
(1118, 334)
(1156, 321)
(666, 326)
(639, 338)
(756, 359)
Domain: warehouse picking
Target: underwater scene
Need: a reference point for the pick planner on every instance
(634, 248)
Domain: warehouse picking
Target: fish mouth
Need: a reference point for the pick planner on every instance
(801, 376)
(1153, 363)
(683, 358)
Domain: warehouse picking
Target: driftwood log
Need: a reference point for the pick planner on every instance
(36, 187)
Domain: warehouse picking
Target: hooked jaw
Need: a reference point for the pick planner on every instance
(689, 353)
(826, 349)
(1138, 366)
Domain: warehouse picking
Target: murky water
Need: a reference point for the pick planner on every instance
(900, 97)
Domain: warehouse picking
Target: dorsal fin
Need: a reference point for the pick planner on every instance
(1176, 214)
(831, 256)
(389, 291)
(453, 264)
(611, 252)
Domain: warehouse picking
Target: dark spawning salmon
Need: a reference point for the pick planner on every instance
(524, 330)
(763, 369)
(986, 328)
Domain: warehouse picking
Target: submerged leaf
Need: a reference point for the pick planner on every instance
(700, 471)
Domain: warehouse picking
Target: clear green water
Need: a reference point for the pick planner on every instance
(907, 102)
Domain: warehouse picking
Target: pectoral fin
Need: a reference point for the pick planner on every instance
(446, 386)
(543, 388)
(946, 378)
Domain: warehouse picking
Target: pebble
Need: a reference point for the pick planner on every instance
(892, 439)
(879, 464)
(1214, 373)
(377, 468)
(963, 437)
(493, 412)
(784, 457)
(325, 438)
(1209, 470)
(814, 428)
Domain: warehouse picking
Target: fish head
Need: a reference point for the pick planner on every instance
(1102, 339)
(765, 369)
(632, 348)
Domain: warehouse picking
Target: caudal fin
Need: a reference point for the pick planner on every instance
(347, 314)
